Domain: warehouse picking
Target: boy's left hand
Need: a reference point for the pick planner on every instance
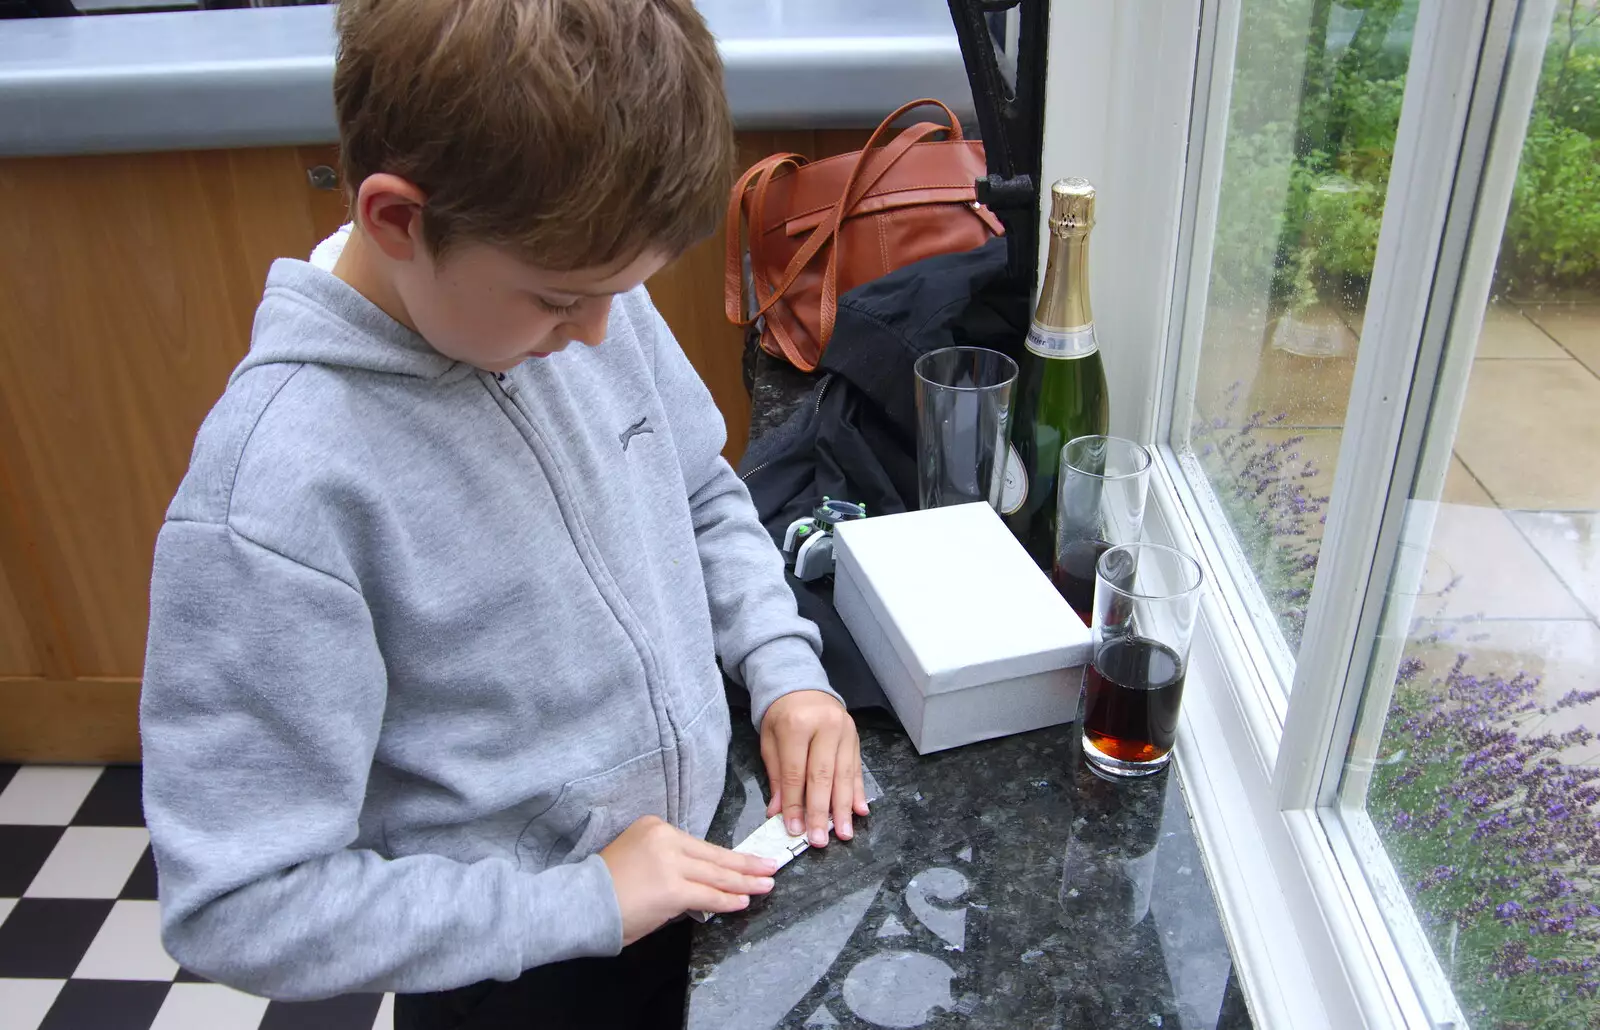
(813, 759)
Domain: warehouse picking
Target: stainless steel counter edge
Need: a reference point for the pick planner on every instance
(263, 76)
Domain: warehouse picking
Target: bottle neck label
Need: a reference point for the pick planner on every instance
(1079, 342)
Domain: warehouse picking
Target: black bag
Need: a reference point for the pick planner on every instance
(855, 438)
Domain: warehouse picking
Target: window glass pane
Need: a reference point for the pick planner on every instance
(1312, 116)
(1474, 754)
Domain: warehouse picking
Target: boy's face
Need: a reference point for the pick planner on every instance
(481, 305)
(477, 303)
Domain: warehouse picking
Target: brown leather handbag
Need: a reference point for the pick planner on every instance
(816, 229)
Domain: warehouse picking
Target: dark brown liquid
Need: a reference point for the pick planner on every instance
(1133, 691)
(1074, 575)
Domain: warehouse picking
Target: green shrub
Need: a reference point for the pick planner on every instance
(1250, 216)
(1305, 188)
(1552, 237)
(1341, 240)
(1574, 97)
(1305, 193)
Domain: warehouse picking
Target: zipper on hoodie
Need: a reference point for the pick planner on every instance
(677, 807)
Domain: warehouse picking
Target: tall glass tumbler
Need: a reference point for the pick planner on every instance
(963, 418)
(1146, 597)
(1099, 504)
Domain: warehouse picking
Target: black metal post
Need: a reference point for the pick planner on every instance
(1011, 120)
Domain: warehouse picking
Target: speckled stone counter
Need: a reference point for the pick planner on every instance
(999, 885)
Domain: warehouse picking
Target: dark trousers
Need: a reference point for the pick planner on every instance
(644, 988)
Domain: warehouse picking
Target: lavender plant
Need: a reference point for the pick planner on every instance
(1264, 488)
(1496, 836)
(1499, 839)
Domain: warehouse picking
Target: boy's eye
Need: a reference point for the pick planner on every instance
(558, 309)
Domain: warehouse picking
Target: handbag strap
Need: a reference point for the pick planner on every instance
(855, 189)
(761, 173)
(857, 185)
(826, 233)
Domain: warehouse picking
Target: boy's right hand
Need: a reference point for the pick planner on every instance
(660, 872)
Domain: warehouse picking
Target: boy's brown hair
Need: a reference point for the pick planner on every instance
(577, 133)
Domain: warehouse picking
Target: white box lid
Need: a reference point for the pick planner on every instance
(959, 598)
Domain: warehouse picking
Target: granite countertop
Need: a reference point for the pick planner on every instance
(263, 76)
(998, 885)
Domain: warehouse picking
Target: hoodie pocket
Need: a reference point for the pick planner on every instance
(592, 838)
(590, 812)
(705, 765)
(570, 831)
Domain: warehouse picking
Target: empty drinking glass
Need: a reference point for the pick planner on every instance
(963, 415)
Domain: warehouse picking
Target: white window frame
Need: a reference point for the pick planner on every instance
(1132, 102)
(1496, 128)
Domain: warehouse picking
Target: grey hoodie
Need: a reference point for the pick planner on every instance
(423, 639)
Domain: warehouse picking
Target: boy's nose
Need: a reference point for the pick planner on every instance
(589, 328)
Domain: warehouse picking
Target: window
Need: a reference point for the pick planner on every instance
(1313, 107)
(1347, 273)
(1474, 774)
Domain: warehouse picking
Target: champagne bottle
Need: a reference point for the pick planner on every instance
(1062, 389)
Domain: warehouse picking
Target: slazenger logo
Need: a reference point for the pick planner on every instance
(639, 428)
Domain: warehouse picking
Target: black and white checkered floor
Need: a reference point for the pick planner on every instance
(79, 947)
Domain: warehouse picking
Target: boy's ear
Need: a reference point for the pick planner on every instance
(389, 211)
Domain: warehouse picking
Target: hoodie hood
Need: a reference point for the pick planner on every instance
(309, 315)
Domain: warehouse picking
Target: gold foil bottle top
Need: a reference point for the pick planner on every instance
(1071, 206)
(1063, 323)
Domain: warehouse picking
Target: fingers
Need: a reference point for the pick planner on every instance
(845, 778)
(726, 880)
(792, 751)
(812, 755)
(715, 879)
(700, 898)
(737, 861)
(769, 758)
(821, 763)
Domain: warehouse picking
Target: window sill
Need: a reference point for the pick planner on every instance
(1311, 948)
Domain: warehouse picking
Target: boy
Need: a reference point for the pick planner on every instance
(431, 701)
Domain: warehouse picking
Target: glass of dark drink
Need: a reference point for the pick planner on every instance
(1099, 504)
(1146, 597)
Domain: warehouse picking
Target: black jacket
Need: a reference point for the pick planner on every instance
(855, 438)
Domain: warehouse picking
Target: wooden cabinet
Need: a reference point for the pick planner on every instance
(126, 290)
(127, 287)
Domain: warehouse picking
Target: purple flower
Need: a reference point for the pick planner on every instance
(1517, 828)
(1481, 813)
(1440, 874)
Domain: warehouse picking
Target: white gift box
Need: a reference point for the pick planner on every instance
(968, 639)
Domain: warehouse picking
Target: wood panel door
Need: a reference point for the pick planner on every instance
(127, 287)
